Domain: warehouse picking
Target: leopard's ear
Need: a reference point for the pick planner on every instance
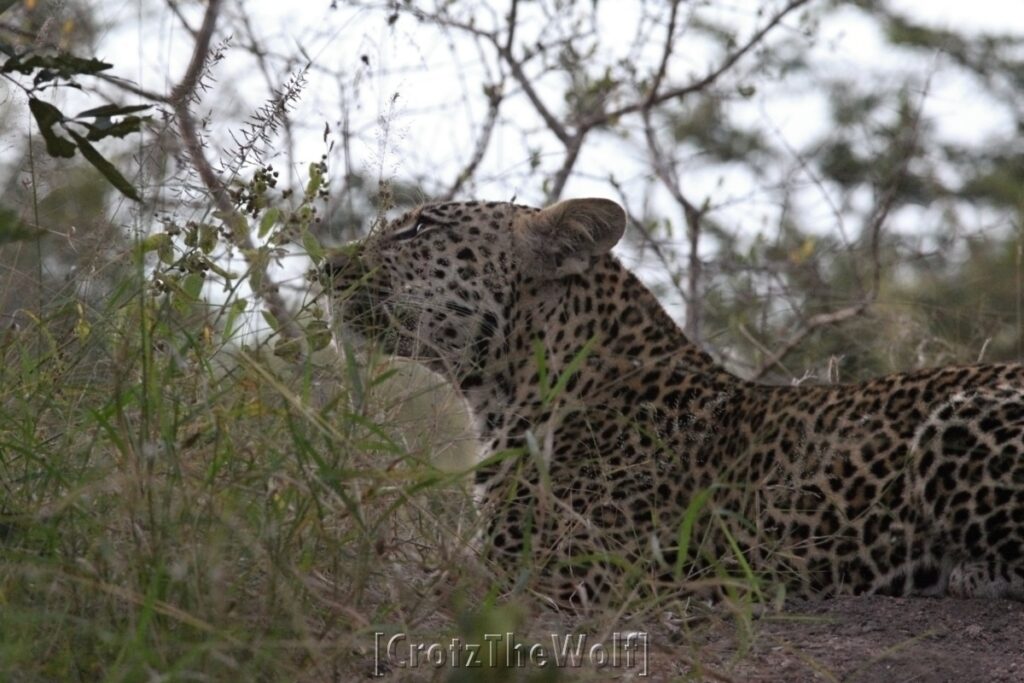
(563, 239)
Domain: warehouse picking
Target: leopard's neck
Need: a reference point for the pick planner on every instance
(609, 349)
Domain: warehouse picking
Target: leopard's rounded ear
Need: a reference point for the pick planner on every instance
(562, 239)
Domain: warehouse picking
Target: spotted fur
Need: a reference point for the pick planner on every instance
(619, 454)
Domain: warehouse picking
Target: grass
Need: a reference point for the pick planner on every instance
(185, 500)
(176, 504)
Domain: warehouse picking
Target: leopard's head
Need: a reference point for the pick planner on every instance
(441, 283)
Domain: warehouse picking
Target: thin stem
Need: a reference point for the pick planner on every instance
(179, 99)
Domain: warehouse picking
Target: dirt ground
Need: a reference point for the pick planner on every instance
(849, 640)
(864, 639)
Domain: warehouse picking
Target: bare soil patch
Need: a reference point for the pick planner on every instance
(866, 639)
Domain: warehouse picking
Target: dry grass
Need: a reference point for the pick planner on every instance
(178, 507)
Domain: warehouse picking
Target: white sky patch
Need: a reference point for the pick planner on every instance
(976, 16)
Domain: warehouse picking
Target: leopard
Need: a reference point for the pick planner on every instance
(617, 454)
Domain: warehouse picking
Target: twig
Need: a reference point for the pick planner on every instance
(656, 98)
(692, 216)
(572, 154)
(181, 17)
(813, 323)
(666, 53)
(879, 215)
(483, 142)
(516, 67)
(513, 14)
(649, 241)
(495, 96)
(181, 96)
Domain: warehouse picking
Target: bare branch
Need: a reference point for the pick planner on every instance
(656, 98)
(480, 149)
(513, 14)
(666, 53)
(181, 17)
(181, 96)
(813, 323)
(878, 216)
(756, 343)
(666, 173)
(550, 120)
(572, 154)
(649, 241)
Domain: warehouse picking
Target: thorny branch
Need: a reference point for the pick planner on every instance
(181, 97)
(266, 69)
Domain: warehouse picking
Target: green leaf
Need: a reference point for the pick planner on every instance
(108, 110)
(355, 382)
(541, 359)
(382, 377)
(318, 334)
(166, 252)
(268, 221)
(271, 320)
(313, 248)
(155, 242)
(69, 65)
(15, 64)
(237, 308)
(571, 369)
(207, 237)
(289, 349)
(105, 167)
(236, 222)
(685, 531)
(13, 230)
(54, 66)
(192, 286)
(103, 128)
(226, 274)
(316, 179)
(6, 5)
(258, 262)
(46, 115)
